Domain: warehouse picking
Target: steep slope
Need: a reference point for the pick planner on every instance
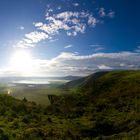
(85, 81)
(109, 111)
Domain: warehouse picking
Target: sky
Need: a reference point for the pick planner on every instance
(68, 37)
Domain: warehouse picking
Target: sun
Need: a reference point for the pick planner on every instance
(21, 61)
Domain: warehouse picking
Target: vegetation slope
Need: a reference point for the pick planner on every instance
(105, 108)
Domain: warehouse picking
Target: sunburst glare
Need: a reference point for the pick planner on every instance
(21, 61)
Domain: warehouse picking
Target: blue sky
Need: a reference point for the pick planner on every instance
(68, 37)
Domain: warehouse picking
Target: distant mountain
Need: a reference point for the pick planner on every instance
(85, 82)
(10, 79)
(70, 77)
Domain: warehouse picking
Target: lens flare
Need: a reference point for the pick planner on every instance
(21, 61)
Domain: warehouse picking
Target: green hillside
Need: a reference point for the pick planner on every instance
(85, 81)
(109, 106)
(106, 107)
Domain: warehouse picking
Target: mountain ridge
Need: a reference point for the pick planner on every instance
(84, 81)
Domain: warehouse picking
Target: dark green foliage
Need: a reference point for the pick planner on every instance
(108, 105)
(24, 99)
(104, 107)
(3, 135)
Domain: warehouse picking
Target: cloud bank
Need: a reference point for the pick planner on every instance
(67, 63)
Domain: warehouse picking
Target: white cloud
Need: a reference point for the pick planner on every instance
(78, 20)
(21, 28)
(36, 36)
(97, 47)
(68, 46)
(50, 10)
(111, 14)
(53, 40)
(71, 33)
(59, 7)
(67, 63)
(102, 13)
(92, 21)
(75, 4)
(104, 67)
(38, 24)
(24, 44)
(73, 63)
(31, 39)
(137, 49)
(71, 23)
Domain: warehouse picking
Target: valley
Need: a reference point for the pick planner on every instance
(104, 105)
